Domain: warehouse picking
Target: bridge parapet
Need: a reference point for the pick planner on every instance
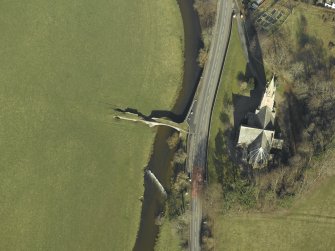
(151, 122)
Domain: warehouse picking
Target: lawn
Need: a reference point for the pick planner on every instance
(70, 175)
(235, 63)
(308, 225)
(320, 24)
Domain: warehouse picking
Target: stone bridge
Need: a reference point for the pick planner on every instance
(182, 127)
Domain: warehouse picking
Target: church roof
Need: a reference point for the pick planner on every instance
(249, 134)
(259, 149)
(263, 119)
(262, 141)
(269, 95)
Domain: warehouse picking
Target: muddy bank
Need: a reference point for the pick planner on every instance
(192, 71)
(153, 203)
(193, 43)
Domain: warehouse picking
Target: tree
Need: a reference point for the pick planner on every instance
(180, 156)
(202, 57)
(207, 11)
(297, 70)
(181, 184)
(207, 243)
(173, 140)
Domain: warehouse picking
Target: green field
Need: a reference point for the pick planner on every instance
(70, 175)
(169, 239)
(316, 26)
(309, 225)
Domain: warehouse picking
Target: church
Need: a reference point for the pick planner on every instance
(257, 137)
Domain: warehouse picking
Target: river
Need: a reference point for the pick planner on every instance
(160, 162)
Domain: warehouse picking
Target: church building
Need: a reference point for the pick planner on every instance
(257, 136)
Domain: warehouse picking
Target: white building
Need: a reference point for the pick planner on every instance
(330, 4)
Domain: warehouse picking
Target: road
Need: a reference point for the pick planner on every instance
(199, 118)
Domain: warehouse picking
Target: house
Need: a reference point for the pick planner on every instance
(330, 4)
(257, 137)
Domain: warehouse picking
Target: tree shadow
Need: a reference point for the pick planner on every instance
(311, 50)
(256, 55)
(255, 68)
(244, 104)
(154, 114)
(177, 118)
(240, 76)
(224, 118)
(133, 111)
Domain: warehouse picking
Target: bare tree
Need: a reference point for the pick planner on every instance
(297, 70)
(173, 140)
(203, 56)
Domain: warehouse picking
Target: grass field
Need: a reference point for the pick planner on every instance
(316, 26)
(235, 63)
(169, 239)
(308, 225)
(70, 175)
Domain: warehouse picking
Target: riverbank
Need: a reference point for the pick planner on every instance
(153, 199)
(192, 46)
(161, 159)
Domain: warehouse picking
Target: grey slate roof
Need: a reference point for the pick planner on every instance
(263, 118)
(259, 149)
(262, 141)
(248, 135)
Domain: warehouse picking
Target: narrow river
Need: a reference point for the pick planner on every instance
(160, 162)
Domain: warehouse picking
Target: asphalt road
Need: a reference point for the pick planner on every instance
(199, 117)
